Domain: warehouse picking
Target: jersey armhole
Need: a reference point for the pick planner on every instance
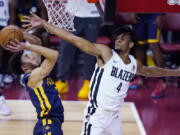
(105, 63)
(25, 79)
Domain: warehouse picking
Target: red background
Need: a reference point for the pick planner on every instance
(145, 6)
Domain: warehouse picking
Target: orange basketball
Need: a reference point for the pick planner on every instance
(10, 33)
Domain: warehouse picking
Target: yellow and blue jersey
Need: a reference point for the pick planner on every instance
(45, 99)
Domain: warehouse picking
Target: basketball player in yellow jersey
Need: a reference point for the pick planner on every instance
(114, 70)
(39, 85)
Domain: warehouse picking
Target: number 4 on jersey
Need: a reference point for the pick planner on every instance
(119, 87)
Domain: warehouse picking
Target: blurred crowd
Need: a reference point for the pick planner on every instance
(152, 31)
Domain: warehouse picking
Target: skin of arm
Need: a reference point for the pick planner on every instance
(37, 74)
(102, 52)
(79, 42)
(31, 38)
(156, 71)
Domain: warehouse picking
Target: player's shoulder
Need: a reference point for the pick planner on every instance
(105, 50)
(24, 79)
(36, 78)
(133, 60)
(102, 46)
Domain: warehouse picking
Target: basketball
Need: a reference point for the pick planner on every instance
(10, 33)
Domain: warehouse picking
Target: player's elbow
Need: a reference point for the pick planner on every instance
(56, 55)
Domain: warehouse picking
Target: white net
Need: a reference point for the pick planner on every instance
(61, 15)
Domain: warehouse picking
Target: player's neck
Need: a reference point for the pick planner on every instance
(125, 57)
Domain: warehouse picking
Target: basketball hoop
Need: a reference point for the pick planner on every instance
(61, 15)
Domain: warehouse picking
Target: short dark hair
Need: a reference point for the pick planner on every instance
(123, 30)
(15, 63)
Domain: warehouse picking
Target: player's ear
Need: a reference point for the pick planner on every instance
(131, 44)
(24, 67)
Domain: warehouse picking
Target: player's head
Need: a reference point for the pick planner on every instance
(123, 38)
(24, 62)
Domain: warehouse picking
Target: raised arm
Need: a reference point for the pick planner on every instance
(156, 71)
(45, 68)
(83, 44)
(31, 38)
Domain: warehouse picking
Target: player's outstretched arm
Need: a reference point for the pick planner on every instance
(83, 44)
(156, 71)
(45, 68)
(31, 38)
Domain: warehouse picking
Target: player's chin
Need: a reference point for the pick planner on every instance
(117, 48)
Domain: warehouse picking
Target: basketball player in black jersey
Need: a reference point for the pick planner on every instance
(39, 85)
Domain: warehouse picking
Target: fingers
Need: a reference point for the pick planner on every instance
(31, 22)
(24, 21)
(13, 43)
(29, 29)
(12, 48)
(15, 46)
(17, 41)
(26, 25)
(27, 17)
(7, 48)
(34, 15)
(27, 21)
